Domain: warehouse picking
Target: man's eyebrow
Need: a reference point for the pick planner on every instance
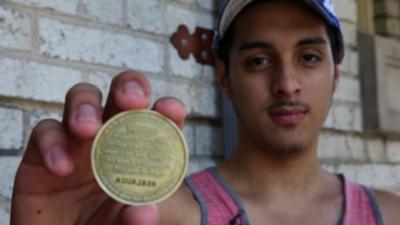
(311, 41)
(254, 45)
(265, 45)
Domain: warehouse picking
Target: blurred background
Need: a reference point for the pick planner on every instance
(46, 46)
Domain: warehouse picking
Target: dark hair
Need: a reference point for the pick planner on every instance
(223, 48)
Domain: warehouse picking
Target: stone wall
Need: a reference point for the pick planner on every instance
(371, 158)
(46, 46)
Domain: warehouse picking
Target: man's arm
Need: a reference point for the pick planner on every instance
(54, 183)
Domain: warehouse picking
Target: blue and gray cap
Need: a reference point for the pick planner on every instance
(324, 7)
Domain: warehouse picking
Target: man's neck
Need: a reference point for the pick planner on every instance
(252, 171)
(283, 190)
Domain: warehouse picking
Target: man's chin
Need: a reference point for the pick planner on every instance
(286, 150)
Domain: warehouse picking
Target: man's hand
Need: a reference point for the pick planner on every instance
(54, 183)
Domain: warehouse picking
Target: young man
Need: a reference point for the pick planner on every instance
(278, 63)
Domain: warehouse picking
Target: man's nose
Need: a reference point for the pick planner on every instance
(286, 81)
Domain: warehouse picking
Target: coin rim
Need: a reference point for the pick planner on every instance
(122, 200)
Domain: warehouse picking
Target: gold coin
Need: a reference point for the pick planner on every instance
(139, 157)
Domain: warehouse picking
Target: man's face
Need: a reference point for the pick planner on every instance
(281, 77)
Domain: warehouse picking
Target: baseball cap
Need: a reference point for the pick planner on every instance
(324, 7)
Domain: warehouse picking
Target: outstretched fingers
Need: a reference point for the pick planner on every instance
(84, 116)
(82, 112)
(48, 145)
(50, 141)
(129, 90)
(172, 108)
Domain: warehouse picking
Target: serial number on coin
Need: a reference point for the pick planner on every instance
(139, 157)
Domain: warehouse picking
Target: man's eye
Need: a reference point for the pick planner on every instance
(258, 62)
(310, 58)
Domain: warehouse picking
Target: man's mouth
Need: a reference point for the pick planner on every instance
(288, 114)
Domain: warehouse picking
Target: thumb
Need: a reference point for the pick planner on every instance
(139, 215)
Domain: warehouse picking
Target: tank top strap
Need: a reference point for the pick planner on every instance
(217, 205)
(361, 205)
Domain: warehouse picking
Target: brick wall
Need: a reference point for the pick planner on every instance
(345, 147)
(46, 46)
(387, 18)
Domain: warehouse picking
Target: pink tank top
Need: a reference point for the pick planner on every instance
(221, 206)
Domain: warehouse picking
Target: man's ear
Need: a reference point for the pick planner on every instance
(223, 78)
(336, 78)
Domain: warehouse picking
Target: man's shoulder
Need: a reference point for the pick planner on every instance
(182, 207)
(389, 204)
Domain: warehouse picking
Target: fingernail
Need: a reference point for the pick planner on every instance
(171, 100)
(133, 87)
(57, 158)
(87, 113)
